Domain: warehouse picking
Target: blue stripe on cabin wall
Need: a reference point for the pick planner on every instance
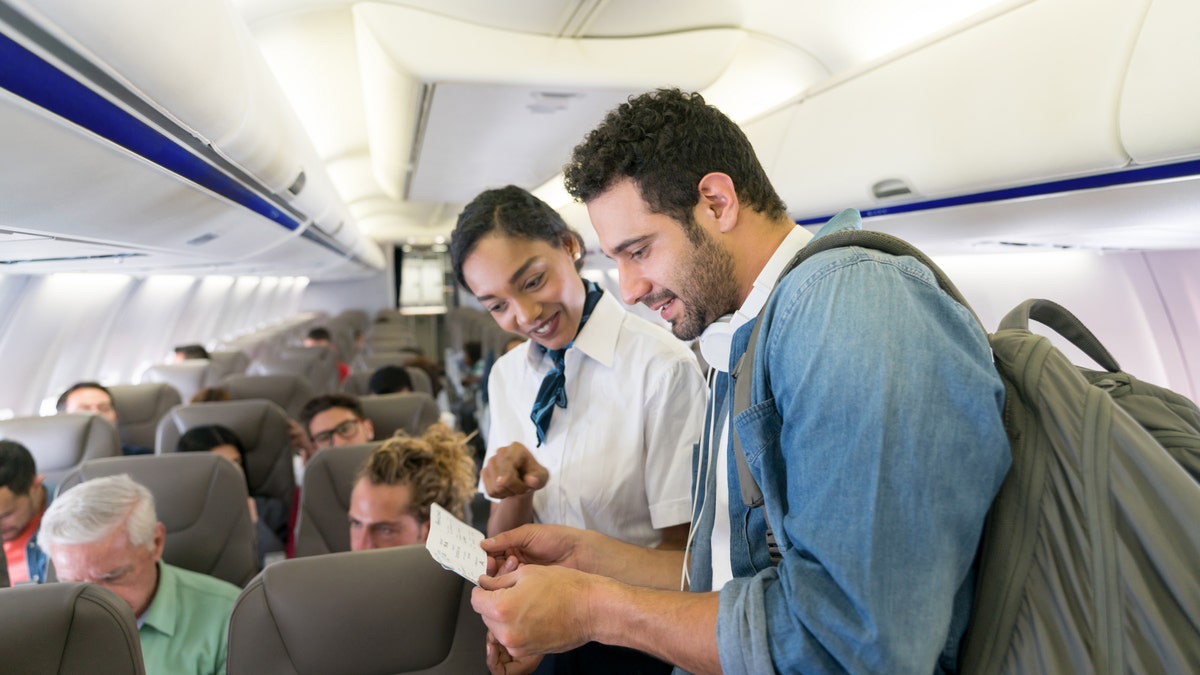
(1123, 177)
(32, 78)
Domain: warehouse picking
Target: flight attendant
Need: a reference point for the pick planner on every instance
(593, 418)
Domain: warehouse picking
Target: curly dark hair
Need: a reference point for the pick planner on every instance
(513, 212)
(666, 141)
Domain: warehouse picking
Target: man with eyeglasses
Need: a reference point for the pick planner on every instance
(336, 419)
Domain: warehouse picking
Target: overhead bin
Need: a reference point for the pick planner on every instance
(1160, 103)
(171, 137)
(1030, 95)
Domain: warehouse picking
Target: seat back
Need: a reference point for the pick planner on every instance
(69, 629)
(224, 364)
(289, 392)
(201, 500)
(188, 377)
(315, 364)
(59, 443)
(409, 412)
(390, 610)
(325, 499)
(356, 383)
(4, 572)
(262, 427)
(139, 408)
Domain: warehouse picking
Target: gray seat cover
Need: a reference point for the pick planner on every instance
(59, 443)
(390, 610)
(68, 629)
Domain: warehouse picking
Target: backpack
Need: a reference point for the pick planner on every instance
(1090, 556)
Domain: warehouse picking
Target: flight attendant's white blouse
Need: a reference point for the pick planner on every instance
(620, 453)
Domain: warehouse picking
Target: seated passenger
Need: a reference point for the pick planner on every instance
(401, 480)
(188, 352)
(23, 500)
(320, 337)
(92, 397)
(390, 380)
(335, 419)
(270, 514)
(105, 531)
(211, 395)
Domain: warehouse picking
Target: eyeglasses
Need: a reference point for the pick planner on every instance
(344, 431)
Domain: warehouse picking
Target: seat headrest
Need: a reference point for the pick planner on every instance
(316, 364)
(201, 500)
(262, 427)
(410, 412)
(188, 377)
(68, 628)
(59, 443)
(321, 526)
(390, 610)
(287, 391)
(139, 408)
(223, 364)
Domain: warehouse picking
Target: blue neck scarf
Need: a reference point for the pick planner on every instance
(553, 391)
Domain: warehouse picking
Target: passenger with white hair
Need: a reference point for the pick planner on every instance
(105, 531)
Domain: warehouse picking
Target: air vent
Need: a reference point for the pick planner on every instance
(890, 188)
(202, 239)
(298, 184)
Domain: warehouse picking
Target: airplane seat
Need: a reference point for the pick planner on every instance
(139, 407)
(356, 382)
(201, 499)
(224, 364)
(420, 379)
(70, 629)
(321, 526)
(289, 392)
(316, 364)
(59, 443)
(410, 412)
(188, 377)
(378, 359)
(261, 425)
(392, 610)
(4, 582)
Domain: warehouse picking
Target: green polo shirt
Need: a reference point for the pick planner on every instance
(185, 628)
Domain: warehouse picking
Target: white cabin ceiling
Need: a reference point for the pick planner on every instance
(397, 112)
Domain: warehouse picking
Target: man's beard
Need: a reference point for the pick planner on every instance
(706, 288)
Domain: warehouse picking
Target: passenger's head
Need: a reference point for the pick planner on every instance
(390, 380)
(211, 395)
(21, 492)
(88, 397)
(214, 438)
(336, 419)
(517, 256)
(472, 352)
(186, 352)
(401, 480)
(665, 178)
(319, 337)
(104, 531)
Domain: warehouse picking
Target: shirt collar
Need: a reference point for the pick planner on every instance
(765, 282)
(160, 615)
(597, 340)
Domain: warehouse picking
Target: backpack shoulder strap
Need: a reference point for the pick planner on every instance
(751, 493)
(1057, 317)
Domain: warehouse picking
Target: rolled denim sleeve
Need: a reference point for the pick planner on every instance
(876, 435)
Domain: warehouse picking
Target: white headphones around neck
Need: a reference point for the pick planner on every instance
(717, 339)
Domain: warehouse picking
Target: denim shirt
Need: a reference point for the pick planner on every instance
(875, 432)
(35, 557)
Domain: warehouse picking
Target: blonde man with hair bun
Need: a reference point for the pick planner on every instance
(401, 480)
